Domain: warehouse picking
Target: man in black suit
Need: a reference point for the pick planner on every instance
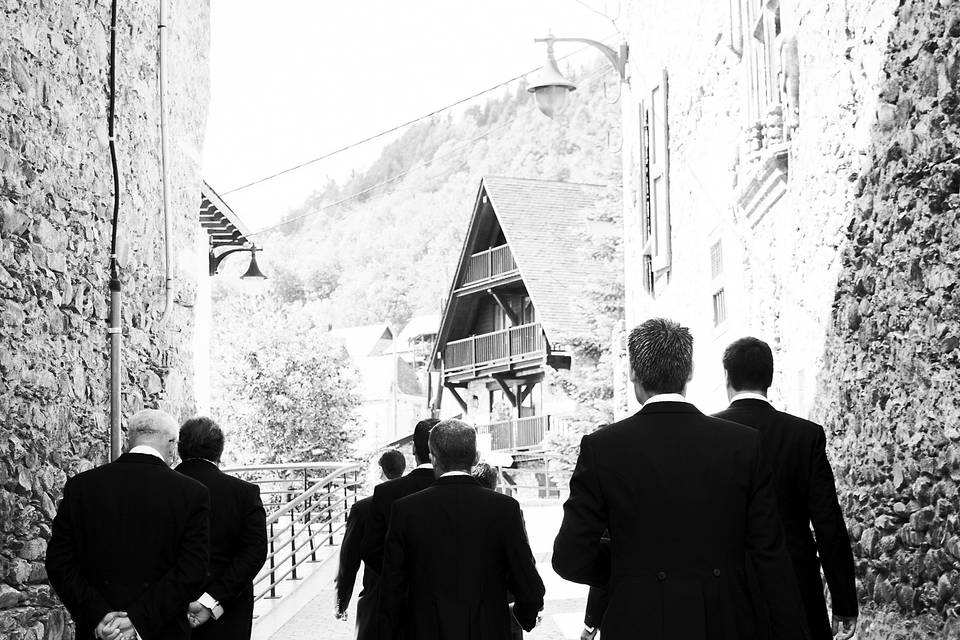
(129, 548)
(392, 464)
(454, 551)
(686, 499)
(386, 494)
(805, 489)
(238, 537)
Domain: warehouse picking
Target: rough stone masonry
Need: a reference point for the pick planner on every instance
(890, 388)
(55, 214)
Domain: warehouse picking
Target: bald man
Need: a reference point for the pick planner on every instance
(129, 548)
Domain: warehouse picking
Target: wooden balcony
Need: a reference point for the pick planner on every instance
(489, 265)
(519, 433)
(493, 352)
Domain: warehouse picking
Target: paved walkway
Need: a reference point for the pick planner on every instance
(563, 612)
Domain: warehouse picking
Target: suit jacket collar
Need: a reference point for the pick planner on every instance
(458, 480)
(752, 403)
(668, 407)
(140, 458)
(428, 473)
(200, 464)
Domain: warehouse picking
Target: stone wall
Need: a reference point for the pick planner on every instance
(55, 215)
(890, 388)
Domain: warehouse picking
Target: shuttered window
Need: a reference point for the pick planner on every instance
(655, 175)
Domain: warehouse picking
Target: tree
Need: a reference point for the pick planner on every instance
(286, 392)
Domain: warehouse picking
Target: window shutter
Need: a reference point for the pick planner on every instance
(659, 178)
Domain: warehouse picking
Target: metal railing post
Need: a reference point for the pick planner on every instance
(329, 521)
(273, 579)
(293, 546)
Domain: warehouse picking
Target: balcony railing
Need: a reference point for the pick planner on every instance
(516, 433)
(523, 342)
(489, 264)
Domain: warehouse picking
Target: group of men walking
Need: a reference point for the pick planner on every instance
(685, 526)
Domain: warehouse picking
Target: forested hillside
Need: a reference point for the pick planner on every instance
(343, 259)
(390, 253)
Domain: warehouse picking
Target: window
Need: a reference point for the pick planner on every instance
(762, 41)
(655, 176)
(716, 259)
(719, 308)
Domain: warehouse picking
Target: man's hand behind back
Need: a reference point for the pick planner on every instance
(116, 626)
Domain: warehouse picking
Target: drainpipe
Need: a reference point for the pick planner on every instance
(114, 330)
(165, 172)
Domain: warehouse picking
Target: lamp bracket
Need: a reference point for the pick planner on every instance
(617, 59)
(215, 258)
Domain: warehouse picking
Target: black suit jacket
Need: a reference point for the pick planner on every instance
(384, 495)
(238, 548)
(357, 523)
(806, 493)
(452, 553)
(686, 498)
(131, 536)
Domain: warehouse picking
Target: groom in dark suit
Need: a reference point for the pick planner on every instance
(129, 548)
(687, 499)
(238, 537)
(806, 493)
(454, 551)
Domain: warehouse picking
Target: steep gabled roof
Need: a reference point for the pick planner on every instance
(543, 222)
(366, 341)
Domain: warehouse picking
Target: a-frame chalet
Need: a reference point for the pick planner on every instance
(514, 306)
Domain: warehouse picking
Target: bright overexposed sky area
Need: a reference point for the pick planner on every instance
(294, 79)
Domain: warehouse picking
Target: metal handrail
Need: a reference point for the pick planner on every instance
(308, 521)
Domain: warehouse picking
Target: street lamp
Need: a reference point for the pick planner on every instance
(550, 88)
(253, 271)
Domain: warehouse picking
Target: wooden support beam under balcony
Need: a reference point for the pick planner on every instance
(506, 391)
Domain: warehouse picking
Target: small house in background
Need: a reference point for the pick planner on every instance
(392, 394)
(514, 309)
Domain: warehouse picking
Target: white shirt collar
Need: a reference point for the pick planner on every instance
(666, 397)
(455, 473)
(749, 395)
(150, 451)
(425, 465)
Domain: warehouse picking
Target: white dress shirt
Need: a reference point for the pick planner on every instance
(454, 473)
(666, 397)
(148, 450)
(750, 395)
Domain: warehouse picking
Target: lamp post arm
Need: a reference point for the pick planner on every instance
(618, 60)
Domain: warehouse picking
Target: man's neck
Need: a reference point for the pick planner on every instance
(749, 394)
(149, 450)
(424, 465)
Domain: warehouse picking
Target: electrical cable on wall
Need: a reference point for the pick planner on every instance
(114, 330)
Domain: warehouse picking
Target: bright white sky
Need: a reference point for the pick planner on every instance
(294, 79)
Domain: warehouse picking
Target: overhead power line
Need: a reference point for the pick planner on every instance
(402, 174)
(391, 129)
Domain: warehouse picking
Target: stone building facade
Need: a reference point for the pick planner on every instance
(776, 148)
(55, 225)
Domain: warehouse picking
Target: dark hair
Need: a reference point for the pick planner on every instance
(454, 445)
(749, 364)
(485, 475)
(421, 434)
(200, 438)
(661, 355)
(393, 463)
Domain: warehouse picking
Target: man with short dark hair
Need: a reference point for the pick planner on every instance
(386, 494)
(686, 499)
(392, 463)
(238, 537)
(129, 547)
(805, 489)
(454, 551)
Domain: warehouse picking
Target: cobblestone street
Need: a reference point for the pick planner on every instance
(563, 612)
